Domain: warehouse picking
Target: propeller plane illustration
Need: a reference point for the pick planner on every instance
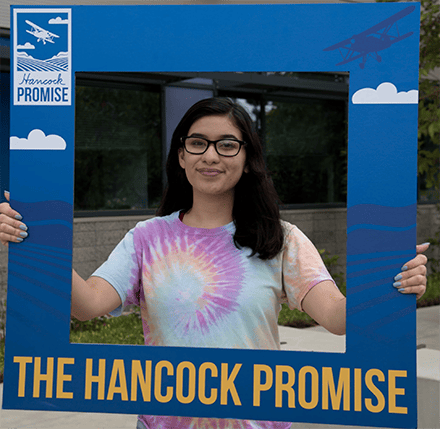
(371, 41)
(40, 33)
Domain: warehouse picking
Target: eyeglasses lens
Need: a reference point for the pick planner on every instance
(224, 147)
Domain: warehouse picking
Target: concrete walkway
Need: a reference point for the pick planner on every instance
(428, 335)
(313, 339)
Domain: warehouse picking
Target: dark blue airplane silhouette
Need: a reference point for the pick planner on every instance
(371, 41)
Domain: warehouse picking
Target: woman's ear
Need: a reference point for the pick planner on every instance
(180, 155)
(246, 169)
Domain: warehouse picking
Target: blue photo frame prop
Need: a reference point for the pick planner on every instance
(374, 381)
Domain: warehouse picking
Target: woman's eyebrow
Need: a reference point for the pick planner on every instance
(229, 136)
(223, 136)
(202, 136)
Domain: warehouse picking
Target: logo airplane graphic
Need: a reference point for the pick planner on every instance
(40, 33)
(370, 41)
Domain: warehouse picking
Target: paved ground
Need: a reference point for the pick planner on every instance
(316, 339)
(428, 332)
(428, 335)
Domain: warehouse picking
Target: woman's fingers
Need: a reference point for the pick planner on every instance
(420, 248)
(418, 262)
(412, 278)
(417, 290)
(6, 210)
(6, 238)
(11, 230)
(10, 217)
(11, 227)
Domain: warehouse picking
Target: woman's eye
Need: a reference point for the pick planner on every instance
(197, 143)
(228, 144)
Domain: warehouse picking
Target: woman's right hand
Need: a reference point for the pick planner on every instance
(11, 229)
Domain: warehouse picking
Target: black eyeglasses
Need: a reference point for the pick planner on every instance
(224, 147)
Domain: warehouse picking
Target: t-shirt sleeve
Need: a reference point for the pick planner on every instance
(303, 267)
(122, 271)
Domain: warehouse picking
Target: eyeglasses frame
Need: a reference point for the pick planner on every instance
(214, 142)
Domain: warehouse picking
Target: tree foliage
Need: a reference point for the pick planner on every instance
(429, 94)
(429, 90)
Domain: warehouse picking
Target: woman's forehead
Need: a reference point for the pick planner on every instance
(220, 125)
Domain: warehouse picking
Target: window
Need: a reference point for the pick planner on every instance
(301, 119)
(118, 151)
(306, 149)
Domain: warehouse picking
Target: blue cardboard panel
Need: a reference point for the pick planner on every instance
(376, 377)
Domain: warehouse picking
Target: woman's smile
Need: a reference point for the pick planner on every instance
(209, 172)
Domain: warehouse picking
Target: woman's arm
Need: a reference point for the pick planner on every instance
(93, 297)
(326, 304)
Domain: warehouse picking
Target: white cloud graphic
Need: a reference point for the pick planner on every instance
(37, 140)
(27, 45)
(58, 20)
(386, 93)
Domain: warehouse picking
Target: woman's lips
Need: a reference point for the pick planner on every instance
(208, 172)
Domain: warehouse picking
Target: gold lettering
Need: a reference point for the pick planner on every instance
(22, 361)
(202, 383)
(393, 391)
(286, 387)
(227, 384)
(328, 385)
(38, 377)
(118, 371)
(258, 387)
(374, 390)
(314, 388)
(158, 381)
(61, 378)
(90, 378)
(144, 381)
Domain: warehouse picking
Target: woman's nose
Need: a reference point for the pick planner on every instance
(211, 154)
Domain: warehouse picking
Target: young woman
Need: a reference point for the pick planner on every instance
(213, 267)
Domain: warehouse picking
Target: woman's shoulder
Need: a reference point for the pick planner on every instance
(288, 227)
(155, 223)
(292, 234)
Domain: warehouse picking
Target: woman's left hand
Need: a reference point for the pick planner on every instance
(412, 278)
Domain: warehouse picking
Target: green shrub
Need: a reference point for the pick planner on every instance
(102, 330)
(294, 318)
(432, 294)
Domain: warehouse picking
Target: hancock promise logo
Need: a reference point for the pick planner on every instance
(42, 57)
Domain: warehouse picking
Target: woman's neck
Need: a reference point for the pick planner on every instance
(210, 212)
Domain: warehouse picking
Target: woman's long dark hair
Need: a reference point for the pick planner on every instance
(256, 213)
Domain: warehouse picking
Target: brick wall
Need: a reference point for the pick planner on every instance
(95, 238)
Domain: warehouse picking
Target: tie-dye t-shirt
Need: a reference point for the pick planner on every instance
(195, 288)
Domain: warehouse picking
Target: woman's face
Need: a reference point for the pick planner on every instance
(211, 173)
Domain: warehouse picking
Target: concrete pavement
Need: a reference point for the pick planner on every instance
(317, 338)
(313, 339)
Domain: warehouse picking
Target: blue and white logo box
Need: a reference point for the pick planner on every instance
(374, 382)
